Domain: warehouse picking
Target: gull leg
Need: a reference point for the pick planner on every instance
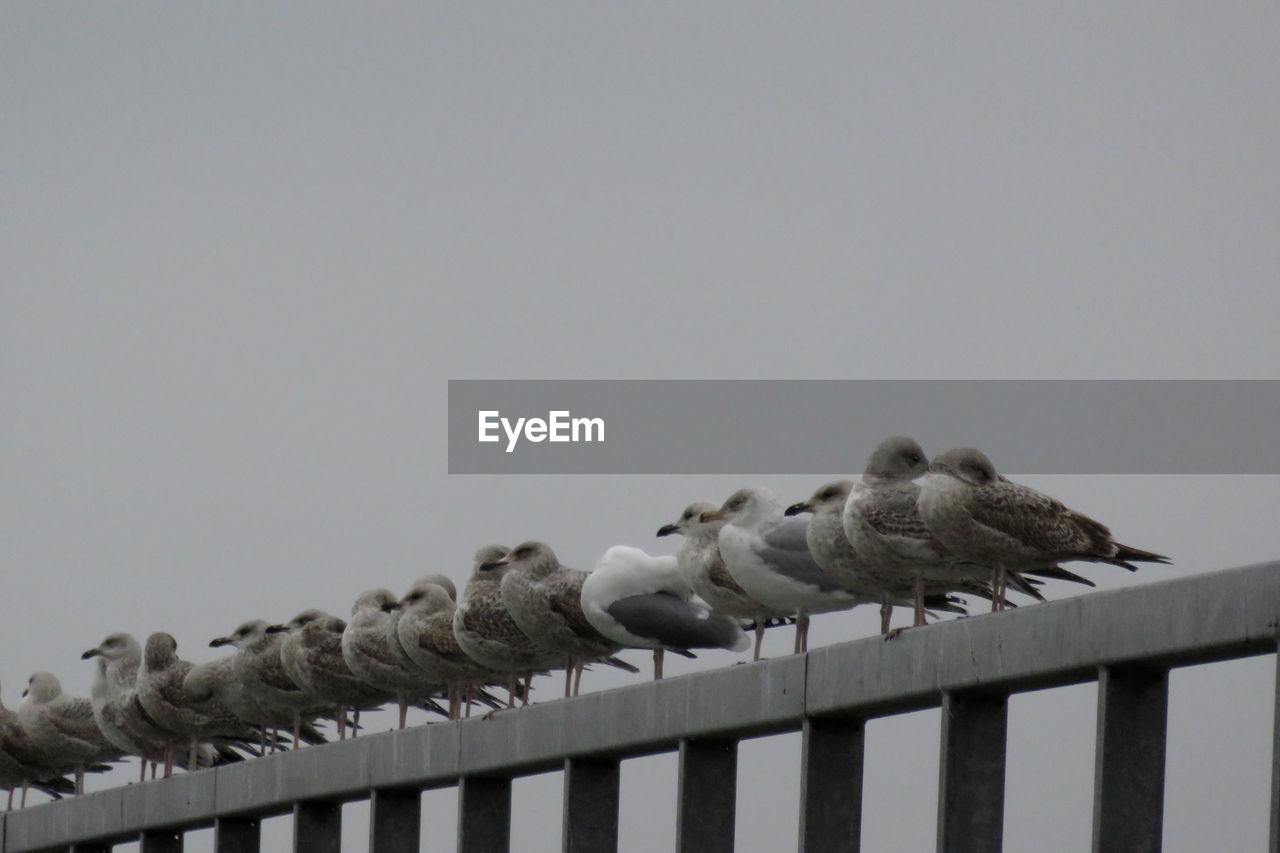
(1003, 576)
(467, 697)
(341, 718)
(297, 728)
(528, 688)
(919, 598)
(79, 779)
(143, 777)
(568, 677)
(168, 760)
(355, 722)
(886, 615)
(657, 664)
(995, 590)
(512, 681)
(404, 710)
(23, 804)
(759, 638)
(802, 633)
(191, 754)
(9, 807)
(577, 679)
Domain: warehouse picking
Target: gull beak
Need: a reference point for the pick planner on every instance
(711, 515)
(495, 564)
(92, 653)
(219, 641)
(24, 693)
(796, 509)
(276, 629)
(668, 529)
(393, 606)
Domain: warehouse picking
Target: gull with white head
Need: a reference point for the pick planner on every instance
(768, 555)
(642, 601)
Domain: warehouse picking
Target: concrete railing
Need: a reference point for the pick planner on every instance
(1126, 640)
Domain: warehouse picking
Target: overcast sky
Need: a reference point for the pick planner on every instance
(245, 245)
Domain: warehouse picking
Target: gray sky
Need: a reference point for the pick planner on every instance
(245, 246)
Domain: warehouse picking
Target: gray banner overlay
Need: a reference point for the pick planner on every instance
(827, 427)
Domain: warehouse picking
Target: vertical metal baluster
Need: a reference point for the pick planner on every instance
(708, 793)
(971, 778)
(484, 815)
(590, 805)
(1274, 839)
(237, 835)
(317, 826)
(1128, 781)
(160, 841)
(395, 820)
(831, 785)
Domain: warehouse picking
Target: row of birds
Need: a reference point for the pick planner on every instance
(908, 533)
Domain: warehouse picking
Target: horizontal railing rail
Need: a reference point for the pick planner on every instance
(1126, 639)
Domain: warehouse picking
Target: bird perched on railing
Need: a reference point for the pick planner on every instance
(62, 727)
(644, 602)
(768, 556)
(980, 516)
(703, 567)
(545, 599)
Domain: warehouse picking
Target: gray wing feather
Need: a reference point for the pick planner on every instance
(671, 621)
(786, 550)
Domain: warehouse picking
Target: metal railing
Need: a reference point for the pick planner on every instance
(1126, 640)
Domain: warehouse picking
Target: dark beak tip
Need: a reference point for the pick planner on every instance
(796, 509)
(667, 529)
(92, 653)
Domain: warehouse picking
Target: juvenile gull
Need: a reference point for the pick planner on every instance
(703, 567)
(256, 665)
(160, 690)
(884, 526)
(118, 710)
(644, 602)
(62, 728)
(425, 630)
(832, 550)
(981, 516)
(371, 648)
(311, 654)
(768, 556)
(545, 599)
(488, 633)
(217, 680)
(21, 764)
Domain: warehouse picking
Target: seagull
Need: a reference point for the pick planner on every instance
(982, 517)
(487, 632)
(644, 602)
(22, 764)
(118, 711)
(372, 650)
(217, 680)
(769, 558)
(311, 654)
(832, 550)
(256, 665)
(425, 631)
(160, 690)
(62, 727)
(884, 527)
(700, 561)
(545, 599)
